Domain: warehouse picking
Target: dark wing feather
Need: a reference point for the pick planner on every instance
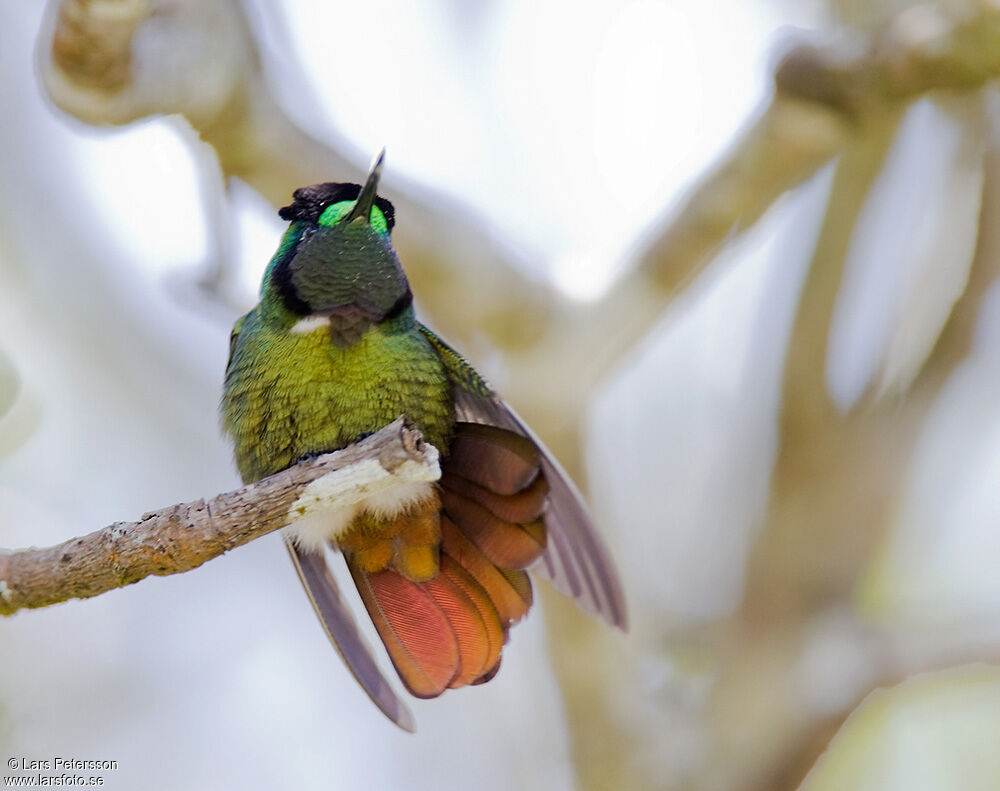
(576, 559)
(343, 632)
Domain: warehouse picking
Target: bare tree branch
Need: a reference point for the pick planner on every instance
(825, 97)
(925, 48)
(182, 537)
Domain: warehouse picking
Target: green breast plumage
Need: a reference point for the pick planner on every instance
(289, 395)
(332, 353)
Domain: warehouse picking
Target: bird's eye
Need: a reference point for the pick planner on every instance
(336, 212)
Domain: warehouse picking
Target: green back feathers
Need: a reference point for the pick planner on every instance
(459, 372)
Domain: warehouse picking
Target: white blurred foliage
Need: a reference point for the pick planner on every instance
(683, 439)
(9, 384)
(157, 231)
(570, 125)
(935, 732)
(838, 663)
(940, 561)
(910, 251)
(257, 233)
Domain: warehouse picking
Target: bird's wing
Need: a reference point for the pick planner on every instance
(576, 558)
(343, 632)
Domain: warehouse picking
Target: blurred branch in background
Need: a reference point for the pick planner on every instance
(201, 60)
(182, 537)
(838, 477)
(116, 61)
(837, 482)
(825, 96)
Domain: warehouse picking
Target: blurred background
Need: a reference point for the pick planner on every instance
(735, 262)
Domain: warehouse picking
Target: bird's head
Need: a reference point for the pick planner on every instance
(336, 259)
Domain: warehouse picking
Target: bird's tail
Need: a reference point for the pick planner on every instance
(448, 631)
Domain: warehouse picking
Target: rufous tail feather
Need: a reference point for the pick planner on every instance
(447, 630)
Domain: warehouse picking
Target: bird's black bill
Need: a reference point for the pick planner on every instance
(363, 207)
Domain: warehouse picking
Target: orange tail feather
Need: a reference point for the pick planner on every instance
(444, 618)
(416, 632)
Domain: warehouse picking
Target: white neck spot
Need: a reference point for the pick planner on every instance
(309, 324)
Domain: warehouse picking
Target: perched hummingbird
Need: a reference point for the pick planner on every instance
(330, 354)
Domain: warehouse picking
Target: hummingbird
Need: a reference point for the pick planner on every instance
(331, 353)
